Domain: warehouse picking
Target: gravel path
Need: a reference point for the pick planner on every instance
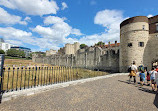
(110, 94)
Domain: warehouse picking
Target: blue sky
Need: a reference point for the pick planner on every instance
(49, 24)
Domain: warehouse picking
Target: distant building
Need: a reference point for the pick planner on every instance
(4, 46)
(69, 48)
(61, 51)
(50, 52)
(114, 46)
(27, 51)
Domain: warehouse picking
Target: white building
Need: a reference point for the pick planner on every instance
(4, 46)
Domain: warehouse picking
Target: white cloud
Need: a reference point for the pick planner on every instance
(6, 18)
(150, 16)
(12, 33)
(53, 20)
(76, 32)
(110, 20)
(64, 5)
(32, 7)
(58, 33)
(20, 37)
(59, 30)
(14, 42)
(27, 19)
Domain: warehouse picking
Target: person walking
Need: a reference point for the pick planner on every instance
(148, 79)
(142, 77)
(152, 78)
(133, 72)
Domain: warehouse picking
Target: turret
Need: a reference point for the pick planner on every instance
(134, 34)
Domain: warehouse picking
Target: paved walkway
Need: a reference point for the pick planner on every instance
(110, 94)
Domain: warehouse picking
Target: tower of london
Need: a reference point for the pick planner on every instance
(138, 42)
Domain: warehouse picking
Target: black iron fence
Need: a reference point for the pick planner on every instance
(22, 78)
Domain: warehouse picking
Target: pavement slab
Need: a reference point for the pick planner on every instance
(108, 94)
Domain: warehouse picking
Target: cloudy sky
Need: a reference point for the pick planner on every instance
(50, 24)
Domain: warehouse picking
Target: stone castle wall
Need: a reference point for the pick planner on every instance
(133, 34)
(90, 58)
(150, 52)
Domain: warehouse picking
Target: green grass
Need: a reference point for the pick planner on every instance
(31, 77)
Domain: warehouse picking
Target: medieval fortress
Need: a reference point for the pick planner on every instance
(138, 42)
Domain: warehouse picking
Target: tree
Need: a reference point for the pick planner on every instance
(15, 53)
(12, 52)
(30, 55)
(2, 51)
(100, 44)
(21, 54)
(83, 46)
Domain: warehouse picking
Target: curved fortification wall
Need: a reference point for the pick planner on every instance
(134, 34)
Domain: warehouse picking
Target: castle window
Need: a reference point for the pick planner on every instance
(129, 45)
(141, 44)
(143, 27)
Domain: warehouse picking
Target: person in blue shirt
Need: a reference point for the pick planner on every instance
(142, 77)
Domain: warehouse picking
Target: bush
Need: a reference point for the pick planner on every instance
(2, 52)
(83, 46)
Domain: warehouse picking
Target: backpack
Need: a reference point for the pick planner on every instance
(141, 68)
(129, 69)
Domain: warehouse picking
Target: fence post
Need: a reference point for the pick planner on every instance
(13, 79)
(8, 77)
(17, 79)
(1, 72)
(35, 76)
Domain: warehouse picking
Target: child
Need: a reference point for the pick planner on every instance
(142, 77)
(148, 79)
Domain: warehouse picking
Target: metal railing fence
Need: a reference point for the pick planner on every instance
(24, 78)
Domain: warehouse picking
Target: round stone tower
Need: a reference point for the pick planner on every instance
(134, 34)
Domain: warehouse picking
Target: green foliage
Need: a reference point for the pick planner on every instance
(100, 43)
(21, 54)
(15, 53)
(2, 52)
(31, 55)
(83, 46)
